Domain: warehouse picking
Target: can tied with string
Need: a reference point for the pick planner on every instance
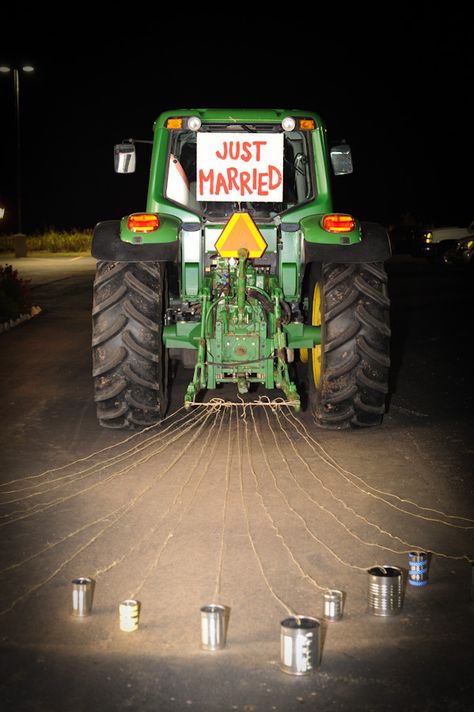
(212, 627)
(300, 645)
(385, 590)
(129, 615)
(333, 602)
(418, 568)
(82, 595)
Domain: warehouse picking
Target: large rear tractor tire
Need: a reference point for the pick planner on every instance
(348, 371)
(129, 361)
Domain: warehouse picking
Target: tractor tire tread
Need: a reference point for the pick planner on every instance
(355, 354)
(129, 360)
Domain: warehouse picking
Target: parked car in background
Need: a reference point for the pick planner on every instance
(462, 252)
(441, 243)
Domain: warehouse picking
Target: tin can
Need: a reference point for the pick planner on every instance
(213, 627)
(333, 602)
(82, 596)
(385, 591)
(300, 645)
(418, 568)
(129, 615)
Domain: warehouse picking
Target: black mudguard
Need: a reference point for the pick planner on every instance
(107, 245)
(374, 247)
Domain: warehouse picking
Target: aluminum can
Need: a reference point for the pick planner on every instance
(300, 645)
(385, 590)
(213, 627)
(418, 568)
(129, 615)
(333, 603)
(82, 595)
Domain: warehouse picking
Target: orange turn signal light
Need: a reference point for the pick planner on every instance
(143, 222)
(174, 123)
(337, 222)
(307, 124)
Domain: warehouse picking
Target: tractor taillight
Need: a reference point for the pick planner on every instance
(143, 222)
(335, 222)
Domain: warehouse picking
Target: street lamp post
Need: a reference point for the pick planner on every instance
(16, 89)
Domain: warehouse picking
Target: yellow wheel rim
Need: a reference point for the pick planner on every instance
(316, 350)
(304, 355)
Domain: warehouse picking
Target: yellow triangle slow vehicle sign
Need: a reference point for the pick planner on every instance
(239, 232)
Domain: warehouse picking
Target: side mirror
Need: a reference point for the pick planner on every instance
(124, 158)
(341, 159)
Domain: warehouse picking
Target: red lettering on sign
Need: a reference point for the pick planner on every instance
(221, 184)
(232, 174)
(225, 152)
(244, 183)
(243, 150)
(278, 178)
(246, 154)
(203, 178)
(234, 152)
(257, 145)
(262, 183)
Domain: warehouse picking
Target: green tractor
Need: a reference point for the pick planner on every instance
(240, 269)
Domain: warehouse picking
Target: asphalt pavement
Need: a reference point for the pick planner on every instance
(249, 507)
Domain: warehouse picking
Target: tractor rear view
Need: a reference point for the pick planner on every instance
(239, 268)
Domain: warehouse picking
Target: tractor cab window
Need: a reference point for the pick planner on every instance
(221, 169)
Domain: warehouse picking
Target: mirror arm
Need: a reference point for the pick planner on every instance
(135, 140)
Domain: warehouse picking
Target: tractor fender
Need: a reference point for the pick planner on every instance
(107, 245)
(374, 246)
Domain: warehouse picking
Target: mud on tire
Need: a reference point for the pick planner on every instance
(129, 360)
(351, 387)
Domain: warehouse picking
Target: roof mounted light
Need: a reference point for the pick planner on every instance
(307, 124)
(194, 123)
(175, 123)
(288, 123)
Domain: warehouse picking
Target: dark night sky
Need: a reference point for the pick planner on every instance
(399, 91)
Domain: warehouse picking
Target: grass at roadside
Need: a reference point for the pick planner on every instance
(5, 257)
(51, 242)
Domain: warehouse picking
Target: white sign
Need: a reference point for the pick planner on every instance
(240, 167)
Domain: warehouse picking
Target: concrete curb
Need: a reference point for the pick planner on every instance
(7, 325)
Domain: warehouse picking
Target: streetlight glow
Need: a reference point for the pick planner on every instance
(4, 69)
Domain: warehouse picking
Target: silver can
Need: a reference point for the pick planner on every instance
(385, 592)
(213, 627)
(82, 596)
(300, 645)
(418, 568)
(129, 615)
(333, 603)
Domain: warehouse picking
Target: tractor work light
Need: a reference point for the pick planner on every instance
(337, 222)
(194, 123)
(174, 123)
(143, 222)
(288, 123)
